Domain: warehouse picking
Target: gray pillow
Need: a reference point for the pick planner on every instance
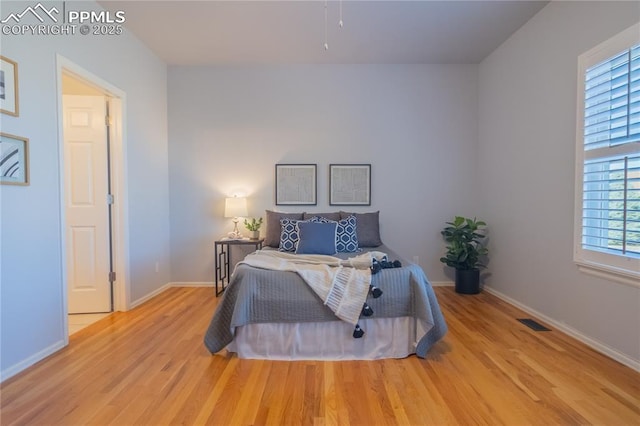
(272, 236)
(331, 216)
(367, 228)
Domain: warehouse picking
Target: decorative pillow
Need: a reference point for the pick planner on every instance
(346, 236)
(272, 237)
(368, 229)
(289, 235)
(316, 237)
(331, 216)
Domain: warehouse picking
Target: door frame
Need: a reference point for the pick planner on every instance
(120, 223)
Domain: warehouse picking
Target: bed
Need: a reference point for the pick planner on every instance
(275, 314)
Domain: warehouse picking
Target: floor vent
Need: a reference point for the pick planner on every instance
(533, 324)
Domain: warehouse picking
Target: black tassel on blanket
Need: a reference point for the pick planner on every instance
(377, 266)
(358, 332)
(367, 311)
(375, 291)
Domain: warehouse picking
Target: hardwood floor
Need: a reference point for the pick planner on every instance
(79, 321)
(149, 366)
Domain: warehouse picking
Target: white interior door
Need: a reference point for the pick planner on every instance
(87, 210)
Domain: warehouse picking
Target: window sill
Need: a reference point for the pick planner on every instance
(606, 272)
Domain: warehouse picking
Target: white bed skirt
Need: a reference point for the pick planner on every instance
(383, 338)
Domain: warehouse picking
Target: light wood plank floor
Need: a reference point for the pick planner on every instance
(150, 367)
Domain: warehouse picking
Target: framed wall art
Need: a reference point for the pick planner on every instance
(8, 86)
(296, 184)
(350, 184)
(14, 160)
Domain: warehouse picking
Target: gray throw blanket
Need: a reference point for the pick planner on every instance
(342, 284)
(264, 296)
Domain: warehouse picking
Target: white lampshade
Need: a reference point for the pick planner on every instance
(235, 207)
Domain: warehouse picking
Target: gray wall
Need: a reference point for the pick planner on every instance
(228, 126)
(527, 136)
(31, 286)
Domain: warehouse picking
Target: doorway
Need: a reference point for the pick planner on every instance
(93, 207)
(87, 190)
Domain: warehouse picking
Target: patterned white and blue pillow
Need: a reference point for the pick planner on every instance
(346, 236)
(289, 234)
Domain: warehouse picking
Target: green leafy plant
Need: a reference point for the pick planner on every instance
(465, 247)
(253, 224)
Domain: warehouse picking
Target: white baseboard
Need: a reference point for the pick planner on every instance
(442, 283)
(26, 363)
(149, 296)
(192, 284)
(592, 343)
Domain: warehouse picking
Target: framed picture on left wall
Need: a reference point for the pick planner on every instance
(8, 87)
(296, 184)
(14, 160)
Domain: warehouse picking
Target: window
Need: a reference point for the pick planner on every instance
(608, 159)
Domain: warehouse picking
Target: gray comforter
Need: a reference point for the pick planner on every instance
(264, 296)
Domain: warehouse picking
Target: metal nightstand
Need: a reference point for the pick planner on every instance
(222, 254)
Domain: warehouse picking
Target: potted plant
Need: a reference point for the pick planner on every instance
(253, 225)
(465, 248)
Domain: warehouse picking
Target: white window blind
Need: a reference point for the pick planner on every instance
(611, 206)
(609, 159)
(612, 101)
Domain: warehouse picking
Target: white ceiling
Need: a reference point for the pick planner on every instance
(292, 32)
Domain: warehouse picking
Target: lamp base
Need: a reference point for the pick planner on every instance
(235, 234)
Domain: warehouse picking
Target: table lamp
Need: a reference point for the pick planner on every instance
(235, 207)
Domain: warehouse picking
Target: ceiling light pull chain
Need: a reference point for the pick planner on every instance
(340, 23)
(326, 43)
